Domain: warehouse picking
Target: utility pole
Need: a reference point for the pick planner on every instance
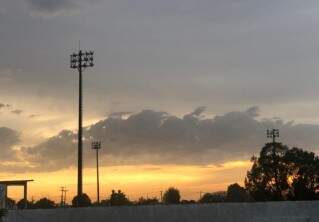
(161, 196)
(64, 200)
(96, 145)
(81, 61)
(62, 196)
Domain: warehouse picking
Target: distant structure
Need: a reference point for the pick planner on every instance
(273, 134)
(81, 61)
(63, 196)
(96, 145)
(4, 185)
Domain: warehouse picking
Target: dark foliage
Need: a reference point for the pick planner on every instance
(20, 204)
(188, 202)
(281, 173)
(119, 199)
(147, 201)
(10, 203)
(236, 193)
(105, 202)
(216, 197)
(81, 201)
(44, 203)
(171, 196)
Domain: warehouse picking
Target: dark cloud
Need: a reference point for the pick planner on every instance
(56, 153)
(158, 137)
(52, 6)
(17, 111)
(8, 139)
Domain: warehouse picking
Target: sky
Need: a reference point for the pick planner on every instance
(181, 93)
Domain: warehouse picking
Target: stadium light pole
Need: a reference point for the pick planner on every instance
(273, 133)
(80, 61)
(96, 145)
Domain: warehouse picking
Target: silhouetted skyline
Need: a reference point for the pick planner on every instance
(177, 85)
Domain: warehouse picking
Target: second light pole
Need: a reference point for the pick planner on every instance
(96, 145)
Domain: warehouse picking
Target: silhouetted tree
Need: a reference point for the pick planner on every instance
(10, 203)
(44, 203)
(118, 198)
(105, 202)
(216, 197)
(147, 201)
(171, 196)
(20, 204)
(267, 179)
(188, 202)
(236, 193)
(81, 201)
(303, 174)
(281, 173)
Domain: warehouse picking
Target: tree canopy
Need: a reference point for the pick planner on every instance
(236, 193)
(118, 198)
(81, 201)
(44, 203)
(147, 201)
(216, 197)
(281, 173)
(171, 196)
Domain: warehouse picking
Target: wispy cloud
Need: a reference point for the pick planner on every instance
(54, 6)
(17, 111)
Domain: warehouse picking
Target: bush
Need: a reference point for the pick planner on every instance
(188, 202)
(147, 201)
(21, 205)
(171, 196)
(81, 201)
(236, 193)
(118, 198)
(44, 203)
(216, 197)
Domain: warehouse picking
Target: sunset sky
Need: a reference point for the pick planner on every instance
(181, 94)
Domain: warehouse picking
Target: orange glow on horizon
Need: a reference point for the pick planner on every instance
(135, 181)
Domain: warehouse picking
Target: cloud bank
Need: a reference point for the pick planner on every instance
(154, 137)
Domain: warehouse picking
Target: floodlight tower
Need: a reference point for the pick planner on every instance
(96, 145)
(273, 133)
(81, 61)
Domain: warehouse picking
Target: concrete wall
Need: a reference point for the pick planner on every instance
(228, 212)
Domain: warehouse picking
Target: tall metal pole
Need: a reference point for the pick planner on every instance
(96, 145)
(80, 61)
(62, 197)
(97, 177)
(80, 142)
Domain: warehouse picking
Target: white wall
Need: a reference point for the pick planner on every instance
(228, 212)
